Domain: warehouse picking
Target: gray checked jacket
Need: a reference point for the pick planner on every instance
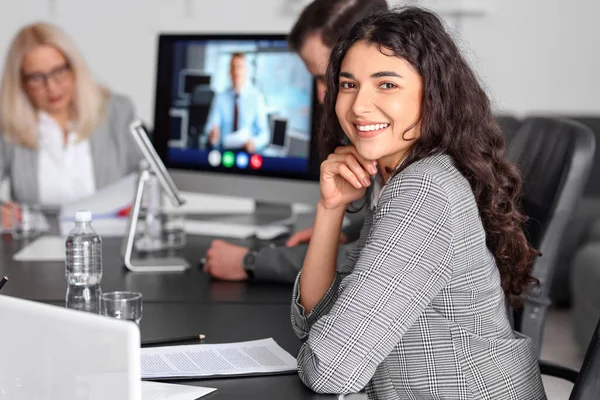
(417, 310)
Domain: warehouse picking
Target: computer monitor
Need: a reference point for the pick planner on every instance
(248, 106)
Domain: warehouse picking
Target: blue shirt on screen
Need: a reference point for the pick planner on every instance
(252, 119)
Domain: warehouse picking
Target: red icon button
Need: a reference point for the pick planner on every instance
(256, 161)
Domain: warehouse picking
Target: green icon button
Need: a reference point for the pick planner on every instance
(228, 159)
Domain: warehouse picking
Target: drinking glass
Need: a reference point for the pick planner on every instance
(122, 305)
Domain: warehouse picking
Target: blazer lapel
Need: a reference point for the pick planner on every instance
(25, 180)
(99, 160)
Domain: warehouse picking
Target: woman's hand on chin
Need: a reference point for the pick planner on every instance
(345, 177)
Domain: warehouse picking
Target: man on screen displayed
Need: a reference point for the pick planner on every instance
(237, 119)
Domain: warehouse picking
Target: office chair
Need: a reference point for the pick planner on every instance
(587, 381)
(593, 122)
(555, 157)
(509, 125)
(580, 230)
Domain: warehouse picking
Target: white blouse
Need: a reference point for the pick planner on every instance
(378, 186)
(65, 171)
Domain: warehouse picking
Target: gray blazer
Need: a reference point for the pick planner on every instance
(417, 310)
(282, 264)
(114, 154)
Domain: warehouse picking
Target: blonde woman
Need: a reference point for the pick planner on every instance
(62, 135)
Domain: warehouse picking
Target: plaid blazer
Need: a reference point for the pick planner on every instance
(417, 310)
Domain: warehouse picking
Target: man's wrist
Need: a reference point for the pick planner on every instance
(249, 263)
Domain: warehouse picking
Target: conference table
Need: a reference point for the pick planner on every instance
(179, 305)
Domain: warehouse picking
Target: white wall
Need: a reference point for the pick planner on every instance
(539, 55)
(533, 55)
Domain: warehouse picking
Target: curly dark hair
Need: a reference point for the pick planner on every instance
(456, 119)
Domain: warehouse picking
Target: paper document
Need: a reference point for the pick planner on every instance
(45, 248)
(109, 206)
(258, 357)
(167, 391)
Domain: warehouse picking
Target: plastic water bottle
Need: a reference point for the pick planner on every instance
(84, 298)
(84, 252)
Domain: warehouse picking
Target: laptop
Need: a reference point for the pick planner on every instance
(50, 352)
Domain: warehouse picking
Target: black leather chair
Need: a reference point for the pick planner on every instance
(592, 188)
(509, 125)
(555, 157)
(582, 229)
(587, 381)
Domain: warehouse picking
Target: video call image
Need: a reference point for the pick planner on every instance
(240, 104)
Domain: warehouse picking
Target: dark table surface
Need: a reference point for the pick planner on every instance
(181, 304)
(228, 322)
(45, 281)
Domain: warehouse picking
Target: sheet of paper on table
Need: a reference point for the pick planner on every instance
(258, 357)
(45, 248)
(167, 391)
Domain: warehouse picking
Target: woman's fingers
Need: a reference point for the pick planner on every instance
(369, 165)
(348, 175)
(362, 174)
(352, 163)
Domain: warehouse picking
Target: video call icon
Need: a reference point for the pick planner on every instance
(242, 160)
(214, 158)
(228, 159)
(256, 161)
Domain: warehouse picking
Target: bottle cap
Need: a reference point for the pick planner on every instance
(83, 216)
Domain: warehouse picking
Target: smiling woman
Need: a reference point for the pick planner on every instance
(63, 135)
(378, 104)
(418, 308)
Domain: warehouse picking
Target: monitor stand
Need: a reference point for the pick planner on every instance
(265, 213)
(133, 261)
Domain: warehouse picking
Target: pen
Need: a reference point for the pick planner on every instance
(199, 337)
(3, 281)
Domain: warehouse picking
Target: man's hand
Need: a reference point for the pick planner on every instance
(214, 135)
(249, 146)
(304, 236)
(224, 261)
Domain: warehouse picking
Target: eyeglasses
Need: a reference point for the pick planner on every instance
(37, 80)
